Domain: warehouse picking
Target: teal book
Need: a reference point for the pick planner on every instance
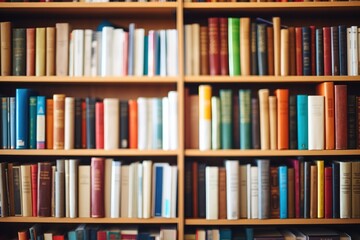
(22, 117)
(302, 121)
(146, 51)
(40, 122)
(249, 233)
(245, 118)
(234, 46)
(32, 121)
(72, 235)
(113, 235)
(226, 118)
(225, 234)
(157, 124)
(282, 171)
(215, 123)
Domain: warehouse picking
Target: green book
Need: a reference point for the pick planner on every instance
(215, 123)
(32, 122)
(226, 118)
(245, 118)
(234, 46)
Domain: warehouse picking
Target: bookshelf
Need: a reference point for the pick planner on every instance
(153, 15)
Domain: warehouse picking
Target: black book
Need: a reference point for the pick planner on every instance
(351, 111)
(293, 122)
(124, 124)
(254, 60)
(201, 189)
(319, 52)
(17, 190)
(307, 189)
(261, 49)
(255, 123)
(342, 50)
(90, 122)
(78, 122)
(306, 51)
(334, 51)
(19, 52)
(336, 189)
(188, 191)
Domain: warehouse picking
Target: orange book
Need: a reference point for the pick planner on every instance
(49, 124)
(326, 89)
(23, 235)
(270, 49)
(59, 109)
(133, 124)
(83, 124)
(282, 96)
(30, 51)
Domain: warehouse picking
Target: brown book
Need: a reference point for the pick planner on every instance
(3, 191)
(270, 49)
(97, 187)
(10, 183)
(245, 54)
(282, 96)
(204, 57)
(187, 117)
(30, 51)
(50, 51)
(194, 121)
(298, 47)
(326, 89)
(224, 54)
(291, 193)
(274, 193)
(292, 52)
(195, 191)
(58, 123)
(62, 49)
(355, 186)
(188, 50)
(313, 191)
(277, 45)
(5, 48)
(214, 46)
(340, 93)
(40, 52)
(44, 189)
(222, 193)
(284, 69)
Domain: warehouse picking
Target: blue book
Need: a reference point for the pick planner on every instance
(143, 236)
(157, 123)
(72, 235)
(302, 121)
(4, 123)
(12, 123)
(249, 233)
(146, 51)
(319, 52)
(157, 53)
(283, 191)
(264, 188)
(32, 122)
(82, 232)
(306, 51)
(131, 49)
(245, 118)
(225, 234)
(158, 189)
(22, 118)
(342, 50)
(40, 122)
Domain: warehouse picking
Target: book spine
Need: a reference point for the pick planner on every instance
(270, 49)
(236, 122)
(255, 126)
(22, 118)
(299, 51)
(245, 62)
(351, 112)
(293, 144)
(202, 190)
(97, 187)
(49, 124)
(157, 124)
(159, 175)
(245, 118)
(273, 123)
(189, 189)
(328, 193)
(320, 188)
(319, 52)
(40, 122)
(342, 51)
(40, 52)
(335, 189)
(292, 51)
(90, 123)
(313, 191)
(224, 54)
(99, 125)
(214, 46)
(205, 117)
(69, 127)
(124, 124)
(34, 188)
(32, 121)
(334, 35)
(282, 96)
(50, 51)
(204, 57)
(284, 53)
(12, 123)
(274, 192)
(345, 189)
(59, 109)
(26, 200)
(17, 190)
(78, 125)
(277, 27)
(254, 192)
(264, 188)
(215, 123)
(226, 118)
(111, 123)
(313, 50)
(306, 51)
(4, 127)
(232, 188)
(234, 46)
(73, 188)
(341, 129)
(283, 191)
(264, 119)
(254, 48)
(307, 184)
(44, 189)
(212, 194)
(19, 52)
(316, 122)
(60, 188)
(291, 194)
(327, 50)
(222, 193)
(355, 185)
(173, 119)
(5, 48)
(62, 49)
(133, 124)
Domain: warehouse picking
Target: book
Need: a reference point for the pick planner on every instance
(124, 190)
(84, 187)
(245, 46)
(99, 125)
(334, 42)
(69, 123)
(5, 48)
(124, 124)
(273, 122)
(283, 191)
(299, 51)
(261, 44)
(319, 52)
(313, 191)
(284, 52)
(97, 187)
(255, 126)
(224, 54)
(245, 118)
(293, 141)
(341, 129)
(204, 117)
(62, 49)
(133, 120)
(22, 118)
(90, 122)
(320, 188)
(214, 45)
(30, 52)
(173, 119)
(264, 119)
(4, 122)
(216, 134)
(316, 122)
(26, 200)
(345, 189)
(222, 194)
(44, 189)
(78, 123)
(282, 96)
(328, 194)
(277, 44)
(18, 52)
(40, 122)
(204, 43)
(4, 207)
(202, 190)
(50, 51)
(264, 188)
(307, 184)
(291, 193)
(212, 195)
(342, 50)
(58, 111)
(270, 49)
(234, 46)
(107, 186)
(73, 188)
(34, 188)
(351, 118)
(226, 118)
(60, 188)
(232, 188)
(274, 192)
(327, 50)
(32, 121)
(254, 192)
(306, 51)
(40, 52)
(147, 169)
(355, 183)
(253, 48)
(49, 137)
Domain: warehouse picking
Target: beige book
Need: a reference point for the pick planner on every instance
(195, 34)
(288, 235)
(243, 191)
(273, 122)
(107, 183)
(5, 48)
(188, 50)
(316, 122)
(355, 187)
(147, 167)
(84, 191)
(133, 191)
(50, 51)
(59, 108)
(124, 190)
(284, 71)
(245, 46)
(345, 189)
(69, 128)
(264, 119)
(62, 49)
(26, 200)
(40, 52)
(277, 45)
(211, 189)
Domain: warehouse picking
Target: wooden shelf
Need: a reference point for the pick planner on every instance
(89, 220)
(270, 79)
(88, 152)
(270, 221)
(269, 153)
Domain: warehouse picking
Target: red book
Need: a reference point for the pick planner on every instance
(30, 51)
(224, 54)
(126, 48)
(133, 124)
(34, 185)
(295, 163)
(99, 125)
(195, 190)
(101, 235)
(327, 50)
(83, 124)
(282, 96)
(23, 235)
(214, 46)
(298, 47)
(341, 117)
(44, 189)
(58, 237)
(328, 192)
(97, 187)
(313, 50)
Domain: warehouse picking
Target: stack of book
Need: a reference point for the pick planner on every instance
(105, 188)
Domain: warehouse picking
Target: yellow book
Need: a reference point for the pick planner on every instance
(321, 188)
(245, 46)
(277, 45)
(40, 52)
(205, 117)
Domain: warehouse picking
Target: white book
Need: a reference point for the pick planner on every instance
(73, 188)
(163, 54)
(71, 54)
(147, 167)
(212, 192)
(173, 119)
(316, 122)
(115, 189)
(133, 190)
(139, 52)
(69, 128)
(99, 52)
(354, 49)
(78, 35)
(107, 186)
(149, 124)
(174, 183)
(151, 52)
(195, 28)
(87, 52)
(111, 123)
(40, 126)
(157, 126)
(94, 55)
(205, 117)
(107, 51)
(142, 123)
(188, 50)
(140, 190)
(345, 189)
(349, 51)
(232, 188)
(215, 123)
(165, 125)
(67, 188)
(124, 191)
(84, 191)
(243, 199)
(172, 52)
(254, 192)
(118, 52)
(166, 193)
(48, 236)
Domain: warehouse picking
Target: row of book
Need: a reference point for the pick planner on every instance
(329, 120)
(267, 189)
(262, 0)
(244, 46)
(30, 121)
(303, 233)
(105, 188)
(84, 231)
(109, 51)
